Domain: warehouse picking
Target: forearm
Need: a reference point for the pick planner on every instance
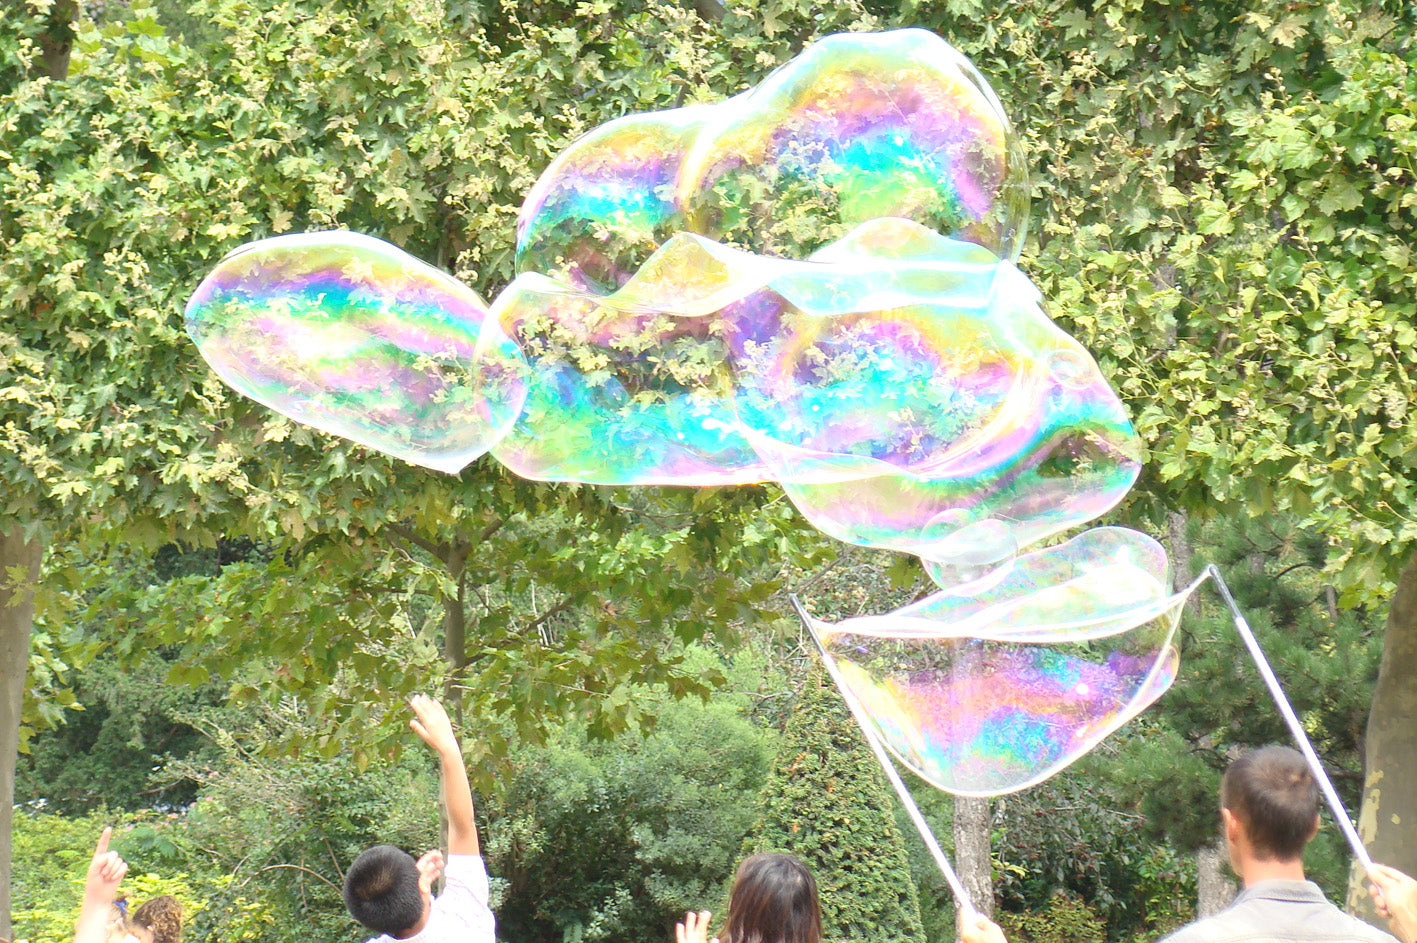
(457, 797)
(92, 925)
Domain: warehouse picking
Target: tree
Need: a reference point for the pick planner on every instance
(241, 122)
(826, 802)
(21, 569)
(617, 839)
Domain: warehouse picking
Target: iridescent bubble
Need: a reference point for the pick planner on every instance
(811, 283)
(859, 127)
(349, 334)
(618, 394)
(995, 685)
(608, 202)
(927, 404)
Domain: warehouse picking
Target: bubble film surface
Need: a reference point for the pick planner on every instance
(811, 283)
(994, 685)
(928, 405)
(351, 335)
(857, 127)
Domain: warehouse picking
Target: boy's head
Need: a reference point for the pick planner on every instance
(382, 891)
(1272, 794)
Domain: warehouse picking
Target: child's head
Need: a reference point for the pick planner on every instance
(382, 891)
(162, 917)
(774, 900)
(120, 929)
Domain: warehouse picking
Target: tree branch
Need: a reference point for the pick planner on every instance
(296, 867)
(418, 540)
(560, 607)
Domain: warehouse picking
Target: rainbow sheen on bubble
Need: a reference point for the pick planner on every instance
(609, 201)
(994, 685)
(812, 283)
(349, 334)
(619, 394)
(857, 127)
(905, 387)
(939, 411)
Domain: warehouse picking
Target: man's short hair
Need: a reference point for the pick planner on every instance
(381, 890)
(1272, 792)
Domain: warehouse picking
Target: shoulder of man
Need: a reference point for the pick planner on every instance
(1190, 933)
(1367, 931)
(1217, 928)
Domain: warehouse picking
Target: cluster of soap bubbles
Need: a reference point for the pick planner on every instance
(811, 283)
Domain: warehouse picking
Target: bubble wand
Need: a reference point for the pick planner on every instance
(966, 907)
(1340, 814)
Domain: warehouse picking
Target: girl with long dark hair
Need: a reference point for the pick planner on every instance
(774, 900)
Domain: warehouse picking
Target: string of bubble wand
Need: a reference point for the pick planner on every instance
(1340, 814)
(966, 907)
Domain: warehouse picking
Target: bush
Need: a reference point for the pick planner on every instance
(52, 854)
(615, 840)
(1066, 919)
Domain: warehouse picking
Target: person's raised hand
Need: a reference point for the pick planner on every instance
(693, 928)
(106, 871)
(430, 721)
(430, 868)
(1395, 896)
(977, 928)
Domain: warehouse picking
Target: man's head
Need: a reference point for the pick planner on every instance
(1270, 797)
(383, 891)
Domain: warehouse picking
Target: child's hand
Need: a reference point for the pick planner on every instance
(106, 872)
(430, 868)
(693, 928)
(432, 724)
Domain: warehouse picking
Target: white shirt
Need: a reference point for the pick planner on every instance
(460, 914)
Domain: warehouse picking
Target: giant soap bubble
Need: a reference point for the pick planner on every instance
(811, 283)
(349, 334)
(996, 684)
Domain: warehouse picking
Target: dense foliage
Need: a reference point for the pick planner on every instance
(1224, 196)
(617, 840)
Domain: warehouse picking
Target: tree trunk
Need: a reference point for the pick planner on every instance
(57, 41)
(1389, 812)
(1179, 543)
(1214, 890)
(16, 616)
(971, 835)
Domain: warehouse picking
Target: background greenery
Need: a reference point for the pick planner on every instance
(1223, 204)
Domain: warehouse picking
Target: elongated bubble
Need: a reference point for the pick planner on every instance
(349, 334)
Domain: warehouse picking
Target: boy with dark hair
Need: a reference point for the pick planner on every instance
(391, 894)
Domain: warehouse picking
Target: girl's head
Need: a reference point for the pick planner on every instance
(162, 917)
(774, 900)
(120, 929)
